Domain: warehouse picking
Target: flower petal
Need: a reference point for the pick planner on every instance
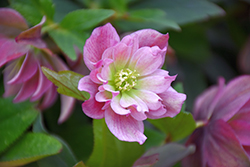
(100, 39)
(139, 116)
(49, 98)
(11, 50)
(28, 88)
(91, 107)
(172, 100)
(28, 69)
(221, 147)
(149, 37)
(11, 19)
(43, 85)
(32, 36)
(205, 103)
(157, 82)
(124, 127)
(156, 114)
(234, 96)
(117, 108)
(67, 106)
(146, 60)
(152, 100)
(195, 159)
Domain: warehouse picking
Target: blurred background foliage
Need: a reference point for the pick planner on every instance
(208, 39)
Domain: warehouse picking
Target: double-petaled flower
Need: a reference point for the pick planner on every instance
(126, 84)
(23, 52)
(223, 114)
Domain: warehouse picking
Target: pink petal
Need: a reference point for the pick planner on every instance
(140, 105)
(234, 96)
(107, 71)
(28, 69)
(149, 37)
(100, 39)
(93, 75)
(117, 108)
(146, 60)
(28, 88)
(103, 96)
(124, 127)
(12, 18)
(132, 42)
(139, 116)
(157, 82)
(121, 55)
(156, 114)
(32, 36)
(241, 129)
(9, 72)
(43, 85)
(221, 147)
(67, 106)
(11, 50)
(152, 100)
(205, 103)
(91, 107)
(172, 100)
(49, 98)
(127, 101)
(195, 159)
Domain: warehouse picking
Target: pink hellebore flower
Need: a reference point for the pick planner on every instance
(24, 57)
(223, 140)
(126, 84)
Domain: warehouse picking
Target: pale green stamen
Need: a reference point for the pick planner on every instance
(125, 79)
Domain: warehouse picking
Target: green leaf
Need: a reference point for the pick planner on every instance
(183, 11)
(34, 10)
(29, 148)
(147, 18)
(168, 155)
(176, 128)
(111, 152)
(80, 164)
(85, 18)
(64, 159)
(67, 83)
(14, 120)
(67, 40)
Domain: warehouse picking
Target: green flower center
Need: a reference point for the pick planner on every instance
(125, 79)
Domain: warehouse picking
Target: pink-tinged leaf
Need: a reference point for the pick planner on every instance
(221, 147)
(124, 127)
(27, 90)
(11, 18)
(28, 69)
(116, 106)
(205, 103)
(173, 101)
(146, 160)
(67, 106)
(234, 96)
(32, 36)
(157, 82)
(146, 60)
(149, 37)
(11, 50)
(67, 83)
(100, 39)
